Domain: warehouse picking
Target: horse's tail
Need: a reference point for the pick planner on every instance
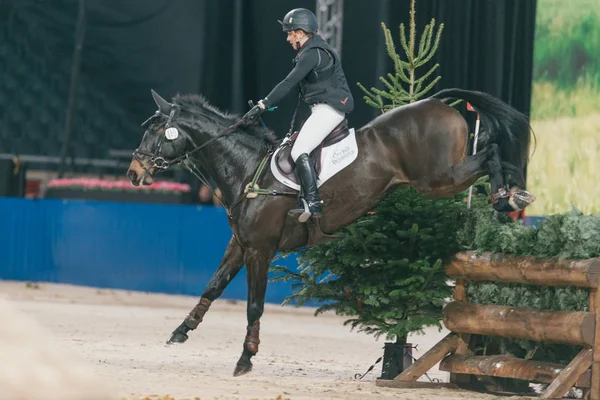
(505, 126)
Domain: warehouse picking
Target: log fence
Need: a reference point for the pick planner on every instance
(463, 319)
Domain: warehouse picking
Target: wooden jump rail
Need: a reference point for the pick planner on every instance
(463, 319)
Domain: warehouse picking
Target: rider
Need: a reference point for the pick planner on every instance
(323, 86)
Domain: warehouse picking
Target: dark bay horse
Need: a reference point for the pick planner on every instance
(423, 145)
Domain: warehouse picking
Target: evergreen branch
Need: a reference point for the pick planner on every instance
(391, 47)
(325, 308)
(388, 85)
(398, 88)
(404, 43)
(427, 39)
(403, 99)
(435, 45)
(288, 299)
(395, 82)
(418, 88)
(354, 232)
(282, 278)
(402, 75)
(429, 87)
(372, 103)
(424, 77)
(422, 43)
(371, 99)
(399, 65)
(381, 93)
(371, 95)
(404, 64)
(280, 268)
(385, 95)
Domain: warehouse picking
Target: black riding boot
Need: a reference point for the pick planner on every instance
(308, 181)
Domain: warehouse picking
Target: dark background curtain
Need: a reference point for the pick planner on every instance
(230, 51)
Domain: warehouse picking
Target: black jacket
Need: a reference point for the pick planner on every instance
(319, 76)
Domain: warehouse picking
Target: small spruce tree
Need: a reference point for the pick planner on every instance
(387, 272)
(403, 86)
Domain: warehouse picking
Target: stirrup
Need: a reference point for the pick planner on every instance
(305, 212)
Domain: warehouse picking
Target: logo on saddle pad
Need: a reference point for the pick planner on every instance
(337, 151)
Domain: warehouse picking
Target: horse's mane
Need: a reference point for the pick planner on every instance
(198, 104)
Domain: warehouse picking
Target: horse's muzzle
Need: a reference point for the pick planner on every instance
(140, 177)
(133, 177)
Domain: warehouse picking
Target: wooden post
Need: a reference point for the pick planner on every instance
(595, 308)
(460, 295)
(460, 290)
(429, 359)
(568, 376)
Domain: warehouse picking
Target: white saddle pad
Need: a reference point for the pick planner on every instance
(334, 158)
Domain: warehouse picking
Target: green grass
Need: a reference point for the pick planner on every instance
(564, 171)
(567, 41)
(549, 101)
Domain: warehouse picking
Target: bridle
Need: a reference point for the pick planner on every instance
(161, 164)
(158, 162)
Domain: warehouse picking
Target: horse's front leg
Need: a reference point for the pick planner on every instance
(257, 271)
(232, 262)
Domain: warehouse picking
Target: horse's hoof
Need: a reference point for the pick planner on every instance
(177, 337)
(242, 369)
(520, 199)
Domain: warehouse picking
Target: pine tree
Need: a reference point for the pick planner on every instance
(403, 86)
(387, 273)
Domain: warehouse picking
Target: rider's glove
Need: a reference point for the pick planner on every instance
(255, 111)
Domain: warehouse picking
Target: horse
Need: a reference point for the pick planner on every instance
(423, 144)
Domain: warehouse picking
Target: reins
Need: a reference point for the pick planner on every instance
(251, 190)
(186, 155)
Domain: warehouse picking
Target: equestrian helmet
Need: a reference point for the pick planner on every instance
(299, 18)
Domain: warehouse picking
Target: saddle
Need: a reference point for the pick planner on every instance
(284, 160)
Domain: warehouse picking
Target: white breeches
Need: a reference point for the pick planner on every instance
(323, 119)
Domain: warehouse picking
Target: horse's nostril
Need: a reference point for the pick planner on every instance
(132, 175)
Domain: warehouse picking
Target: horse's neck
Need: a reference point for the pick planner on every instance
(230, 160)
(230, 164)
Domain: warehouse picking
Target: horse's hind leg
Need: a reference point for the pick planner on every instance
(232, 262)
(456, 178)
(504, 201)
(257, 270)
(462, 175)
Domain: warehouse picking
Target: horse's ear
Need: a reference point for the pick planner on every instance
(163, 105)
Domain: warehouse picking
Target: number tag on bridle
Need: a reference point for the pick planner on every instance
(172, 133)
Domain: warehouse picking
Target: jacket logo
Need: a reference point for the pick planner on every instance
(344, 101)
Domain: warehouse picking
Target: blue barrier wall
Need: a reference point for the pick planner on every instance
(147, 247)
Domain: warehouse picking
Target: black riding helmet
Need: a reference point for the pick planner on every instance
(299, 18)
